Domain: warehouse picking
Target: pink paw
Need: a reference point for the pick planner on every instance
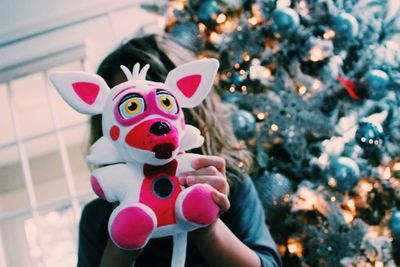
(96, 187)
(131, 228)
(198, 205)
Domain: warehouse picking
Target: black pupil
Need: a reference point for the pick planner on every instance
(132, 106)
(166, 101)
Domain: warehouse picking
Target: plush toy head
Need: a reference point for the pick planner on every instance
(143, 120)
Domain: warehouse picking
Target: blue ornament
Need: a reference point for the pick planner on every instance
(285, 20)
(369, 135)
(376, 83)
(343, 174)
(244, 124)
(236, 79)
(345, 26)
(208, 13)
(394, 225)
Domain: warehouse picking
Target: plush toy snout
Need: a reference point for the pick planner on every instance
(156, 135)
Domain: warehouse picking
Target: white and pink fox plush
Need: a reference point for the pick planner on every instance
(144, 135)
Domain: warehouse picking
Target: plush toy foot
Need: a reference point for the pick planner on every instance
(198, 206)
(130, 227)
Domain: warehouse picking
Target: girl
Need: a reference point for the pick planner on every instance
(239, 237)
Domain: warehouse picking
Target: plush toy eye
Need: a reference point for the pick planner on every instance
(131, 105)
(167, 103)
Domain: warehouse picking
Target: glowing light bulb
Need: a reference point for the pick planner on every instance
(221, 18)
(348, 217)
(253, 21)
(316, 54)
(261, 116)
(351, 205)
(329, 34)
(274, 127)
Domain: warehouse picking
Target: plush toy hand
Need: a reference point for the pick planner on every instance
(209, 170)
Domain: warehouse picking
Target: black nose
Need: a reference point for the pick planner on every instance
(159, 128)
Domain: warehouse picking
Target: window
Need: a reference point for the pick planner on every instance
(43, 176)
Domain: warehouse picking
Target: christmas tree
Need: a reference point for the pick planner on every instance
(317, 87)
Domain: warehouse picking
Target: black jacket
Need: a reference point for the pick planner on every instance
(245, 219)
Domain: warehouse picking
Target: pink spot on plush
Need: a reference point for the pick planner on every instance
(189, 84)
(131, 228)
(198, 206)
(114, 132)
(96, 187)
(86, 91)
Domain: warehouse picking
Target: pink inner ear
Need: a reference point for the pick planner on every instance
(189, 84)
(86, 91)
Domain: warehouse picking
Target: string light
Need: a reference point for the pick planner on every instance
(316, 85)
(316, 54)
(260, 116)
(221, 18)
(253, 21)
(245, 56)
(348, 216)
(301, 89)
(295, 247)
(329, 34)
(274, 127)
(351, 205)
(332, 182)
(228, 26)
(366, 186)
(202, 27)
(302, 8)
(216, 38)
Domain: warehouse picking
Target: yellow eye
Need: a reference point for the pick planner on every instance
(131, 105)
(167, 103)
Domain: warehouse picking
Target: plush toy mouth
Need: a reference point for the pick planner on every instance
(163, 151)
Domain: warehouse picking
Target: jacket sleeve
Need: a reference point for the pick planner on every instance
(93, 234)
(246, 219)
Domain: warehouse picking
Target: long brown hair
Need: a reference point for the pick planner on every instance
(212, 117)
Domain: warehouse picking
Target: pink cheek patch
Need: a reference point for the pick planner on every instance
(189, 84)
(88, 92)
(114, 133)
(96, 187)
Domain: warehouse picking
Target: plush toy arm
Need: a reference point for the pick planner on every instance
(103, 152)
(115, 183)
(191, 139)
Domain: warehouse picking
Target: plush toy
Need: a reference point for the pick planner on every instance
(144, 137)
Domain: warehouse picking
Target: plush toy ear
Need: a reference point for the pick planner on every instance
(84, 92)
(191, 82)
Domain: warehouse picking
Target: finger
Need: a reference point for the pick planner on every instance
(206, 161)
(222, 201)
(210, 170)
(216, 182)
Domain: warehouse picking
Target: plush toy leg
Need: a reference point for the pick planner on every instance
(130, 226)
(197, 206)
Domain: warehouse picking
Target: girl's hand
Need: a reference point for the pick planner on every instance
(209, 170)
